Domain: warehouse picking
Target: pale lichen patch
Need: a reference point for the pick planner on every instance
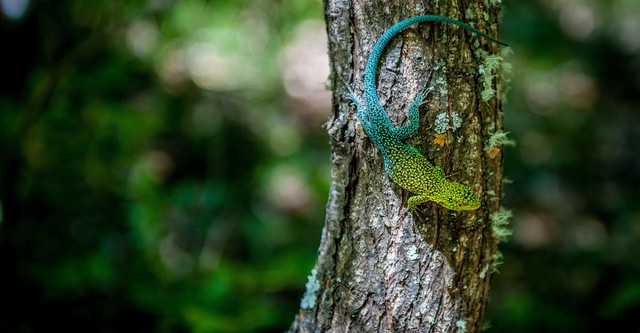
(309, 298)
(461, 325)
(499, 222)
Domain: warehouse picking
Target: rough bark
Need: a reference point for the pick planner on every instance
(381, 268)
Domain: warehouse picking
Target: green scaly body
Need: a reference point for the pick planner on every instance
(402, 162)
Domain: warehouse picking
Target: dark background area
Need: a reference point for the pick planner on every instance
(163, 167)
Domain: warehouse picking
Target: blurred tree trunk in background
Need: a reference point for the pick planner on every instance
(379, 267)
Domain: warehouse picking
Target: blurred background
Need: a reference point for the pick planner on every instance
(163, 166)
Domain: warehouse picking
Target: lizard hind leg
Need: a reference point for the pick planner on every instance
(405, 131)
(360, 106)
(353, 97)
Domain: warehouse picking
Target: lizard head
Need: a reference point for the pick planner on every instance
(457, 196)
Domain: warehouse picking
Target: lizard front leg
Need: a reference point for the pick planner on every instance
(415, 200)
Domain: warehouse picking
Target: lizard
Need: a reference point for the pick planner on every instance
(404, 164)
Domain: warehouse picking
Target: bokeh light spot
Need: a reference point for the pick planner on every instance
(577, 20)
(14, 9)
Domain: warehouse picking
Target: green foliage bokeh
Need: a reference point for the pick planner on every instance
(141, 195)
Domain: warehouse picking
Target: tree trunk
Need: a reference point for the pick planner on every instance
(381, 268)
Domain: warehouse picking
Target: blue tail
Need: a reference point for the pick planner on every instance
(372, 116)
(372, 64)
